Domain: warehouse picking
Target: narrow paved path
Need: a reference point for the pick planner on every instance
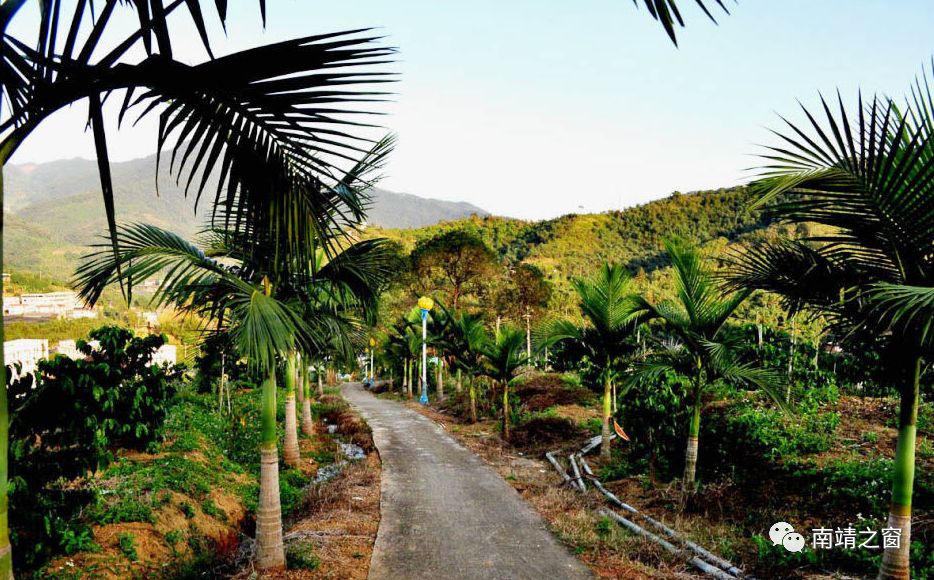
(444, 514)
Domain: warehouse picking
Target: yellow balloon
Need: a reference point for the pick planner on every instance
(425, 303)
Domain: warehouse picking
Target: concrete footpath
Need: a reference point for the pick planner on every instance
(444, 514)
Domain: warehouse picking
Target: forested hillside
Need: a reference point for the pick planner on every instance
(573, 246)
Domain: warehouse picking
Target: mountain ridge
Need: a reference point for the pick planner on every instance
(55, 210)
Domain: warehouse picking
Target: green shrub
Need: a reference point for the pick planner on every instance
(187, 509)
(604, 527)
(78, 539)
(127, 544)
(210, 508)
(291, 489)
(125, 509)
(738, 437)
(173, 538)
(301, 556)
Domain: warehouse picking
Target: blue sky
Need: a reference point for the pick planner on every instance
(535, 109)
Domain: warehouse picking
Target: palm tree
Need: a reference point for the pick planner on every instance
(502, 358)
(467, 340)
(870, 178)
(607, 305)
(697, 348)
(226, 114)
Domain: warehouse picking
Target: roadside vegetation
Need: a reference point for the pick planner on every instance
(745, 356)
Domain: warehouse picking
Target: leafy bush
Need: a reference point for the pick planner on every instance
(741, 435)
(301, 556)
(656, 418)
(65, 422)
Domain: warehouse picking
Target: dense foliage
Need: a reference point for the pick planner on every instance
(66, 422)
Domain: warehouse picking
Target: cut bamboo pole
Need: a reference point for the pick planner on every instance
(551, 458)
(701, 565)
(697, 549)
(578, 480)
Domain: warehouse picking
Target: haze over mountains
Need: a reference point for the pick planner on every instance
(54, 210)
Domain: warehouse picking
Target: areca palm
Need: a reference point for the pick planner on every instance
(696, 347)
(869, 177)
(262, 327)
(607, 304)
(503, 356)
(467, 341)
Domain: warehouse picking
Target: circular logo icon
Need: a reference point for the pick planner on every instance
(793, 542)
(778, 531)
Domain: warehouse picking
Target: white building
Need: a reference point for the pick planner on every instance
(27, 352)
(47, 304)
(165, 355)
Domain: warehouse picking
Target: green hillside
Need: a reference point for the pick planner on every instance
(574, 246)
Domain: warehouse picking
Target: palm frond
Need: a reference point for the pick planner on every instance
(666, 13)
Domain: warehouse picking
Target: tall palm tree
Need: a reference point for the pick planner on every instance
(607, 304)
(226, 115)
(870, 178)
(503, 356)
(697, 348)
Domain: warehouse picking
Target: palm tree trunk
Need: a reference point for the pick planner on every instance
(6, 551)
(895, 561)
(605, 444)
(290, 446)
(308, 426)
(473, 400)
(690, 453)
(270, 552)
(300, 382)
(506, 434)
(457, 385)
(408, 379)
(791, 359)
(439, 380)
(320, 383)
